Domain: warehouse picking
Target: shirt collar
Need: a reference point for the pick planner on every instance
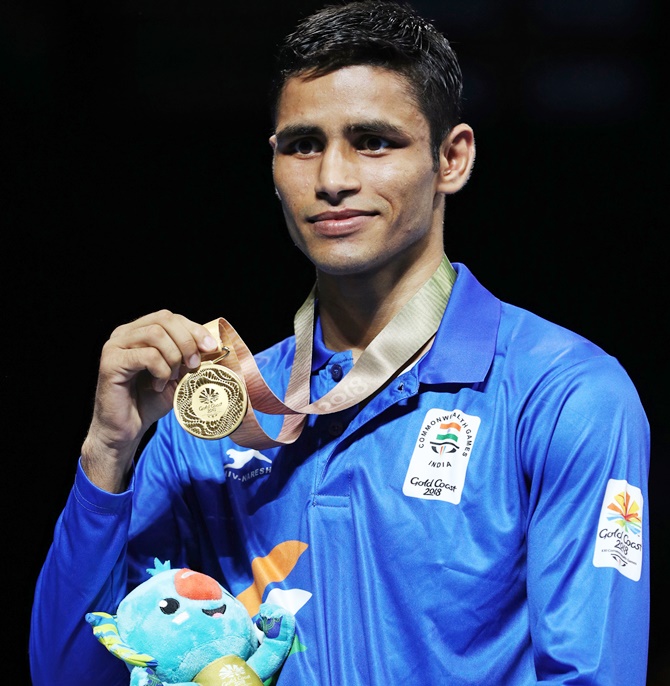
(464, 345)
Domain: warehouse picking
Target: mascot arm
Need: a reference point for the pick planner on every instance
(278, 627)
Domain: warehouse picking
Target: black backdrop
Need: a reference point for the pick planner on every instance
(137, 176)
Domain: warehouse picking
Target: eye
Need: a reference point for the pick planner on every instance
(305, 146)
(374, 143)
(168, 606)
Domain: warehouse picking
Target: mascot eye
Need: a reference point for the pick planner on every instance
(168, 606)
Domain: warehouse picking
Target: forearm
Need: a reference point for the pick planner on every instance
(108, 467)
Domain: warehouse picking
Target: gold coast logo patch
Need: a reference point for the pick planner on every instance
(619, 535)
(441, 454)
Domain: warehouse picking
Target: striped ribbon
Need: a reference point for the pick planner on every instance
(412, 328)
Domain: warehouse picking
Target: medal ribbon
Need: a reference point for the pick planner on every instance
(409, 331)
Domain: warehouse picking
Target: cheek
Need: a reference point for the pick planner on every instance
(406, 174)
(403, 190)
(413, 209)
(291, 184)
(279, 176)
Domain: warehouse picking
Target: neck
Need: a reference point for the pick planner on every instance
(355, 308)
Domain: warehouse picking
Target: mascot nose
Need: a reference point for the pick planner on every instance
(196, 586)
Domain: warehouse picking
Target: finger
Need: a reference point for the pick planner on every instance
(119, 364)
(177, 337)
(191, 338)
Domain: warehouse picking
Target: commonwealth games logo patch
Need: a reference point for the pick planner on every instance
(440, 459)
(619, 535)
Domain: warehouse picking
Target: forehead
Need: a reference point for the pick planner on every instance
(350, 94)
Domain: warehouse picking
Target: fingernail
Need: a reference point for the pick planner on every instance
(209, 343)
(193, 361)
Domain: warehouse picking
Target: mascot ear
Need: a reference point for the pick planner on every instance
(106, 631)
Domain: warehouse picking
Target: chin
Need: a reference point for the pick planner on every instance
(348, 265)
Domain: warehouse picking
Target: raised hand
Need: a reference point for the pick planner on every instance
(140, 366)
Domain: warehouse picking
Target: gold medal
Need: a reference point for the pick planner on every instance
(210, 402)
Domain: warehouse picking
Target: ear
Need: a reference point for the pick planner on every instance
(457, 157)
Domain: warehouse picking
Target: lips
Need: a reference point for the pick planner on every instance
(340, 222)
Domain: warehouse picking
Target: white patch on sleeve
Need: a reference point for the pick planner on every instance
(619, 535)
(441, 454)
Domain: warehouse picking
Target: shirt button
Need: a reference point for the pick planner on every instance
(336, 372)
(336, 428)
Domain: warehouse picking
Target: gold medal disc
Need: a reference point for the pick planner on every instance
(210, 402)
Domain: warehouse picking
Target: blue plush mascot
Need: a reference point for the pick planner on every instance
(182, 627)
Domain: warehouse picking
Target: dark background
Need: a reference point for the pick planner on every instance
(136, 175)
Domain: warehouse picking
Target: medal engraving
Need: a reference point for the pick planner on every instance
(210, 402)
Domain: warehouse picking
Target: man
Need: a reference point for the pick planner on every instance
(466, 500)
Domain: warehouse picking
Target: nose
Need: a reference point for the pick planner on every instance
(338, 174)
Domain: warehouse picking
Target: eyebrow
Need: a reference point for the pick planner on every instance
(379, 127)
(298, 131)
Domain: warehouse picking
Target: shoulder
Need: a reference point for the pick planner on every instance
(545, 350)
(530, 333)
(565, 376)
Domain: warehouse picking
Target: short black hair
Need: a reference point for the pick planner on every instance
(381, 33)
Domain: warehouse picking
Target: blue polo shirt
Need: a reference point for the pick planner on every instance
(481, 520)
